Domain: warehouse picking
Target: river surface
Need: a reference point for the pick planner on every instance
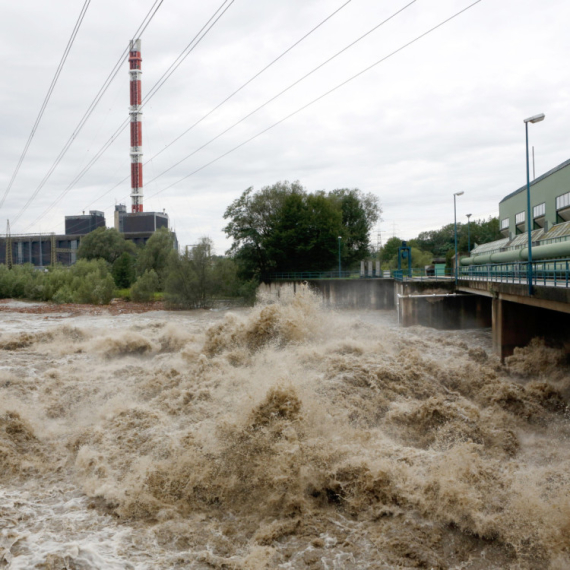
(279, 437)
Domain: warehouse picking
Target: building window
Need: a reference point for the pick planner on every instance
(505, 224)
(520, 218)
(563, 201)
(539, 210)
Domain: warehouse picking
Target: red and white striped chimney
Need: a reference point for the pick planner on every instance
(136, 127)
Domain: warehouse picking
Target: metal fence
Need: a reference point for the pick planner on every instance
(308, 275)
(551, 273)
(420, 274)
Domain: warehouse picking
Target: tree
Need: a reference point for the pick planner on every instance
(190, 278)
(145, 287)
(252, 219)
(390, 248)
(123, 271)
(360, 212)
(156, 254)
(284, 228)
(439, 242)
(104, 243)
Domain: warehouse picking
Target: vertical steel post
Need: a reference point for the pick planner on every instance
(528, 213)
(455, 224)
(339, 266)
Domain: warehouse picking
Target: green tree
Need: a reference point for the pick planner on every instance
(252, 218)
(190, 282)
(284, 228)
(390, 249)
(157, 254)
(123, 271)
(145, 287)
(440, 242)
(104, 243)
(360, 212)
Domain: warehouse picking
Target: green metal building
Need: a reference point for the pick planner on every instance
(549, 202)
(550, 207)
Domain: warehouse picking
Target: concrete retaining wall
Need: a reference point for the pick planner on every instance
(344, 293)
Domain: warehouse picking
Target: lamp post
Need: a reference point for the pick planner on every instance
(339, 267)
(468, 235)
(533, 119)
(455, 224)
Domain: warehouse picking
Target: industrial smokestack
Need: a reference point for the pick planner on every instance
(136, 127)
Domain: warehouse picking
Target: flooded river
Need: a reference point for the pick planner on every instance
(279, 437)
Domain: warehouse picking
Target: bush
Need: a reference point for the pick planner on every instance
(123, 271)
(146, 286)
(84, 282)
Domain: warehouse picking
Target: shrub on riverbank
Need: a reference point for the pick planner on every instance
(84, 282)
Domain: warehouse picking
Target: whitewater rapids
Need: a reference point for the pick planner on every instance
(280, 437)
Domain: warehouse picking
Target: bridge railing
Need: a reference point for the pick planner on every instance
(420, 274)
(308, 275)
(548, 273)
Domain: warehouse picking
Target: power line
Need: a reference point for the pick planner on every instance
(250, 80)
(142, 27)
(186, 52)
(47, 97)
(342, 84)
(285, 90)
(319, 98)
(224, 101)
(154, 89)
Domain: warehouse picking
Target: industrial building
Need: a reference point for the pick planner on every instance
(42, 250)
(549, 203)
(137, 225)
(550, 207)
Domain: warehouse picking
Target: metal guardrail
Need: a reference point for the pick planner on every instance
(308, 275)
(420, 274)
(547, 273)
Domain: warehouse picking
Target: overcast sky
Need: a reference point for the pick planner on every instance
(441, 116)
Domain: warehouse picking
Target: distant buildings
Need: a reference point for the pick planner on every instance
(47, 249)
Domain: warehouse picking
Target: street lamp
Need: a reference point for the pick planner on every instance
(339, 267)
(533, 119)
(455, 223)
(468, 235)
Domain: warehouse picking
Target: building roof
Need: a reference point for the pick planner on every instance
(542, 177)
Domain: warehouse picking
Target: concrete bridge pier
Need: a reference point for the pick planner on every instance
(516, 324)
(513, 325)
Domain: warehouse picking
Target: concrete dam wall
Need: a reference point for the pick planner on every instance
(343, 293)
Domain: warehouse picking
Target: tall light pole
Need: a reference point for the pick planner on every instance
(468, 235)
(533, 119)
(339, 267)
(455, 224)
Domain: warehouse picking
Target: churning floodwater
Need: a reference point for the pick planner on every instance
(284, 436)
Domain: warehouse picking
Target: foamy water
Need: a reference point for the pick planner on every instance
(279, 437)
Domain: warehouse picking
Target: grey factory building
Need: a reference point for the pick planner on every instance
(46, 249)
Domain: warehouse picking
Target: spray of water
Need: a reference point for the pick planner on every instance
(285, 436)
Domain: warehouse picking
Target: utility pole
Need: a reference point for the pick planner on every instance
(9, 261)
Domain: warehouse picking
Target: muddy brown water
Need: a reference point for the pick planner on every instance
(284, 436)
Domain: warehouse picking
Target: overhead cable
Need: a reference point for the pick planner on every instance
(224, 101)
(47, 97)
(154, 89)
(282, 92)
(144, 24)
(318, 98)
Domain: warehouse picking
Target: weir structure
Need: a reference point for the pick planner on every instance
(135, 113)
